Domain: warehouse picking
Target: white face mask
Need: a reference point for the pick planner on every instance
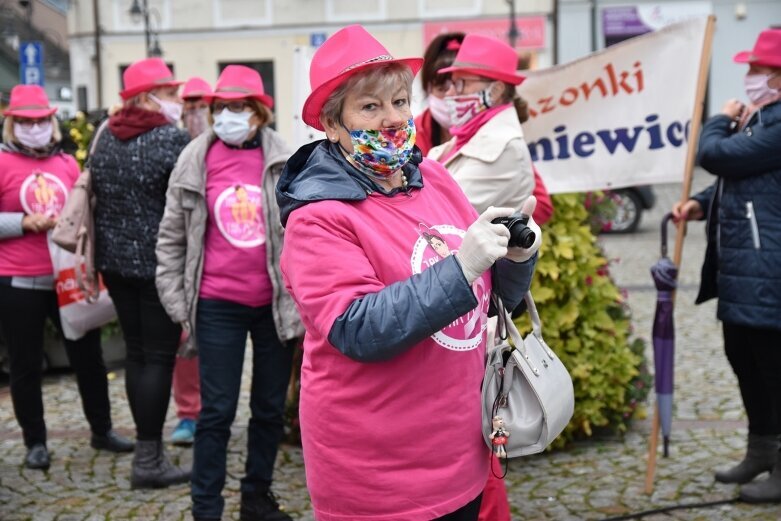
(36, 136)
(233, 128)
(440, 111)
(172, 110)
(757, 88)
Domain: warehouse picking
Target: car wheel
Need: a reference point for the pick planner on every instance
(629, 210)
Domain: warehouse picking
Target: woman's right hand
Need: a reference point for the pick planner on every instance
(484, 243)
(37, 223)
(690, 210)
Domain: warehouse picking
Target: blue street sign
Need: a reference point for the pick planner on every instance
(317, 39)
(31, 63)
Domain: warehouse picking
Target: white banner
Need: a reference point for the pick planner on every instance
(618, 117)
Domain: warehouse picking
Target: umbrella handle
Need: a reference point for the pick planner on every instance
(665, 220)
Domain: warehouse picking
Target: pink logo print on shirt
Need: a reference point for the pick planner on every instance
(43, 193)
(434, 244)
(238, 211)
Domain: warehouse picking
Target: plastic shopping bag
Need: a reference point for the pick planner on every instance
(76, 314)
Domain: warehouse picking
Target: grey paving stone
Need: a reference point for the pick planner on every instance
(591, 480)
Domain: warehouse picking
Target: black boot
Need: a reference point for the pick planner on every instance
(112, 442)
(761, 455)
(766, 491)
(37, 457)
(152, 469)
(261, 506)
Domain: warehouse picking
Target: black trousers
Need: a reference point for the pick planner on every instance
(23, 313)
(468, 512)
(152, 340)
(755, 356)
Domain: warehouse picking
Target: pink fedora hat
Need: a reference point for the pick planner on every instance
(238, 82)
(145, 75)
(196, 87)
(488, 57)
(767, 50)
(29, 101)
(346, 52)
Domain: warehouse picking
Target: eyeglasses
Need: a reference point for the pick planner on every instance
(29, 123)
(460, 83)
(233, 106)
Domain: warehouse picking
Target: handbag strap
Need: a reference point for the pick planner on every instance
(87, 279)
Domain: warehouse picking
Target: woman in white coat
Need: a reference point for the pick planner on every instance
(487, 155)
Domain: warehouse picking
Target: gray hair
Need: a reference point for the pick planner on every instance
(8, 130)
(380, 78)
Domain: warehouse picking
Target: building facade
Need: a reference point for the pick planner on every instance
(586, 25)
(277, 37)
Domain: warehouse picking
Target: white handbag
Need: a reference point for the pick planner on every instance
(528, 398)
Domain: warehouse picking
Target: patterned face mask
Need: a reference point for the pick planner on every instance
(383, 152)
(466, 106)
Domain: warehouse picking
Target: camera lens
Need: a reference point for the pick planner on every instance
(521, 235)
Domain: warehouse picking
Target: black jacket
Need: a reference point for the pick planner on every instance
(743, 261)
(130, 179)
(406, 312)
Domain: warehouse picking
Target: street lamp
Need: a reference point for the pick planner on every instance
(139, 11)
(512, 35)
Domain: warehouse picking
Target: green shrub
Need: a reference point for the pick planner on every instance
(587, 322)
(80, 130)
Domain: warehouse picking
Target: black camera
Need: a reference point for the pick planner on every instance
(521, 235)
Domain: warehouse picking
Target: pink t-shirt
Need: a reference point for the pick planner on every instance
(399, 439)
(234, 263)
(31, 186)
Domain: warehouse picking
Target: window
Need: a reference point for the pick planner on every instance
(228, 13)
(354, 12)
(449, 8)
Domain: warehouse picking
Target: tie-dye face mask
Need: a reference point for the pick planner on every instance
(382, 152)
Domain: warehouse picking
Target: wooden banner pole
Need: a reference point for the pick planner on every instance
(691, 155)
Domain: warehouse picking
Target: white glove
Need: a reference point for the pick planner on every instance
(483, 243)
(523, 254)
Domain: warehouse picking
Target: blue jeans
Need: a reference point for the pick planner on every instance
(221, 333)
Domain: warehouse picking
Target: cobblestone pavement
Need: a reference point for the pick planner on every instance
(590, 481)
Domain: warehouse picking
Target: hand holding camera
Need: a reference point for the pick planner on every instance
(525, 234)
(484, 243)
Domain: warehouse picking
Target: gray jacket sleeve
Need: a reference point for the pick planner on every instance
(382, 325)
(511, 280)
(11, 225)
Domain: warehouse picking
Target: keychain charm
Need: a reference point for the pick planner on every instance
(499, 437)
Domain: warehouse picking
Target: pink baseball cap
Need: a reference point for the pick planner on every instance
(766, 51)
(29, 101)
(487, 57)
(196, 87)
(346, 52)
(145, 75)
(239, 82)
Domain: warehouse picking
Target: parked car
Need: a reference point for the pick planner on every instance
(630, 204)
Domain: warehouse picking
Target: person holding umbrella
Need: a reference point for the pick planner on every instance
(742, 265)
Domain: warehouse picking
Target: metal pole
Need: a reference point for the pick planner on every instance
(98, 61)
(555, 50)
(512, 35)
(146, 30)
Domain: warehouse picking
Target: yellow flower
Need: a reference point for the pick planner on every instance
(81, 155)
(80, 116)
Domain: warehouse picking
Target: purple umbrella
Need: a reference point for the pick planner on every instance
(664, 273)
